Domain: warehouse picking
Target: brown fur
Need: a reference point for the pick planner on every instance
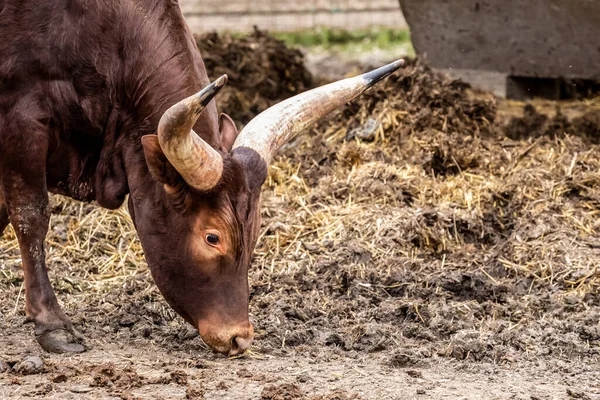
(81, 81)
(3, 214)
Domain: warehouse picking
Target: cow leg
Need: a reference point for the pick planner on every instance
(26, 200)
(3, 213)
(3, 218)
(30, 215)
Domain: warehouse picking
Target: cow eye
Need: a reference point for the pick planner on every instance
(212, 238)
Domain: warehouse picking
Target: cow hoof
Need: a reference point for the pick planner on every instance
(59, 341)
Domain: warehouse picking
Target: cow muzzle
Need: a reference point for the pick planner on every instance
(227, 339)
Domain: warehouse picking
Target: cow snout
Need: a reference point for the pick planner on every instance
(230, 340)
(239, 345)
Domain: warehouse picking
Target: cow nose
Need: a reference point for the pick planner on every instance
(239, 345)
(241, 341)
(229, 340)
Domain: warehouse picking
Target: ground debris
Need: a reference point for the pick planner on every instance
(574, 394)
(194, 393)
(534, 124)
(4, 367)
(179, 377)
(30, 365)
(286, 391)
(337, 395)
(109, 375)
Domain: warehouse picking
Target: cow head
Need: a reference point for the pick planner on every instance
(200, 258)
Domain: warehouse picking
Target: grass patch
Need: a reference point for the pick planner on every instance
(347, 40)
(382, 37)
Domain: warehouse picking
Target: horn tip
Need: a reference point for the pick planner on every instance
(221, 81)
(209, 92)
(380, 73)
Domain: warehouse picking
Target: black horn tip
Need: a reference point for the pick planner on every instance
(209, 92)
(380, 73)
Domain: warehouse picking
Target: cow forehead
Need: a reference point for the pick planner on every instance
(219, 217)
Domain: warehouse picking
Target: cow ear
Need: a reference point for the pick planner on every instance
(160, 168)
(228, 130)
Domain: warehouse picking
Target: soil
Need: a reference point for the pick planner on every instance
(425, 242)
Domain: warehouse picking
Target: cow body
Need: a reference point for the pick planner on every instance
(104, 98)
(95, 76)
(81, 81)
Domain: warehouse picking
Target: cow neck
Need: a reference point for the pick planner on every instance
(151, 80)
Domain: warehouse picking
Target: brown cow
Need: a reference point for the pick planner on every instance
(90, 107)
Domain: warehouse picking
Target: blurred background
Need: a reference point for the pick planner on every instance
(336, 37)
(281, 15)
(514, 49)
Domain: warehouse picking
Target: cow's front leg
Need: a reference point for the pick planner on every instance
(29, 213)
(3, 218)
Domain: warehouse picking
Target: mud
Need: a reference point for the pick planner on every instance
(427, 241)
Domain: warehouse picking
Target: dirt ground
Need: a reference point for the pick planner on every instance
(426, 242)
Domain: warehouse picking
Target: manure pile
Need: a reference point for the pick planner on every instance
(423, 220)
(262, 71)
(411, 220)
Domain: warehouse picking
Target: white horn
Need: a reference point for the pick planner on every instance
(277, 125)
(199, 164)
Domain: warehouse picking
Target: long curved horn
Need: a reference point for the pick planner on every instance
(199, 164)
(277, 125)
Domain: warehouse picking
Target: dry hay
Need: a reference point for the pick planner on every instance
(409, 220)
